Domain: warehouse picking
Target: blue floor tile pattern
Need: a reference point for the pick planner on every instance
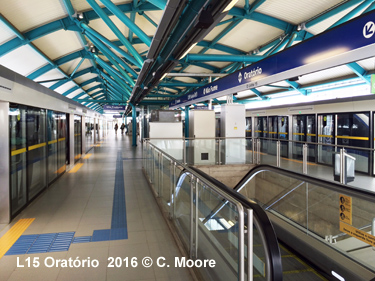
(42, 243)
(56, 242)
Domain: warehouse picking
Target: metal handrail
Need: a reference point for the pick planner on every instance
(272, 139)
(333, 186)
(261, 220)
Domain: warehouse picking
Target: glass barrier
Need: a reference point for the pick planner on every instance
(213, 224)
(339, 217)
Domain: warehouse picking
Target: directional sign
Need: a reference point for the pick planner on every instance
(369, 29)
(351, 41)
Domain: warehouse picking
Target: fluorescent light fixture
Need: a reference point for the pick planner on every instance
(339, 277)
(230, 5)
(188, 50)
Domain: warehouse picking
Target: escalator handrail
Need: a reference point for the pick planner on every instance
(265, 227)
(337, 187)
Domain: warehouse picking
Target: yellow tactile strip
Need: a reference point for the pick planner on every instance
(87, 156)
(12, 235)
(76, 168)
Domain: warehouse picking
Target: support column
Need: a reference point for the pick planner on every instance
(134, 122)
(187, 121)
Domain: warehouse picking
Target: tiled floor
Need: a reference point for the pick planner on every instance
(82, 202)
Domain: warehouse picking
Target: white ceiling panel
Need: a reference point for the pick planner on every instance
(99, 26)
(147, 27)
(91, 85)
(26, 15)
(52, 74)
(59, 43)
(68, 85)
(23, 60)
(196, 69)
(47, 85)
(215, 32)
(246, 39)
(5, 33)
(85, 77)
(70, 66)
(324, 25)
(155, 15)
(82, 6)
(75, 93)
(295, 11)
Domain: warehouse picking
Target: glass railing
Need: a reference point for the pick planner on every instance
(315, 159)
(214, 223)
(338, 217)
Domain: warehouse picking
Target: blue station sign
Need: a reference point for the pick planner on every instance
(349, 42)
(113, 107)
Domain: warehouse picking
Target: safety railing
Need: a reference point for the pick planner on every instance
(335, 223)
(226, 236)
(303, 157)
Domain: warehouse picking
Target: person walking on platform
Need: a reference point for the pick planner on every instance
(122, 128)
(116, 127)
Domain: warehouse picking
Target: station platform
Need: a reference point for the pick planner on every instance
(102, 210)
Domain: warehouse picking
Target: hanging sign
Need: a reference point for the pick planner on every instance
(348, 42)
(107, 107)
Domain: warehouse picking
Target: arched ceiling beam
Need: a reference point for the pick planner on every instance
(359, 71)
(115, 30)
(67, 24)
(110, 44)
(125, 20)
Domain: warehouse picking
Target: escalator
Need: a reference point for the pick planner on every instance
(320, 237)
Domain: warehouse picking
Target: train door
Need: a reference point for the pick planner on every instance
(353, 130)
(248, 133)
(311, 137)
(52, 145)
(77, 137)
(261, 131)
(326, 126)
(298, 123)
(18, 152)
(304, 131)
(248, 127)
(282, 130)
(63, 147)
(273, 134)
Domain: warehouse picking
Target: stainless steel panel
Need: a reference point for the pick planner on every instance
(4, 164)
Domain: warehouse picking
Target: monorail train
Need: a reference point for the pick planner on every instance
(345, 122)
(47, 133)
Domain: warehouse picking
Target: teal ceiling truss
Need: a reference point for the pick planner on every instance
(123, 74)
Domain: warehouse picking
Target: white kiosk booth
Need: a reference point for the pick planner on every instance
(202, 129)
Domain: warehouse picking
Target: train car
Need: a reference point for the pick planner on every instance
(345, 122)
(43, 134)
